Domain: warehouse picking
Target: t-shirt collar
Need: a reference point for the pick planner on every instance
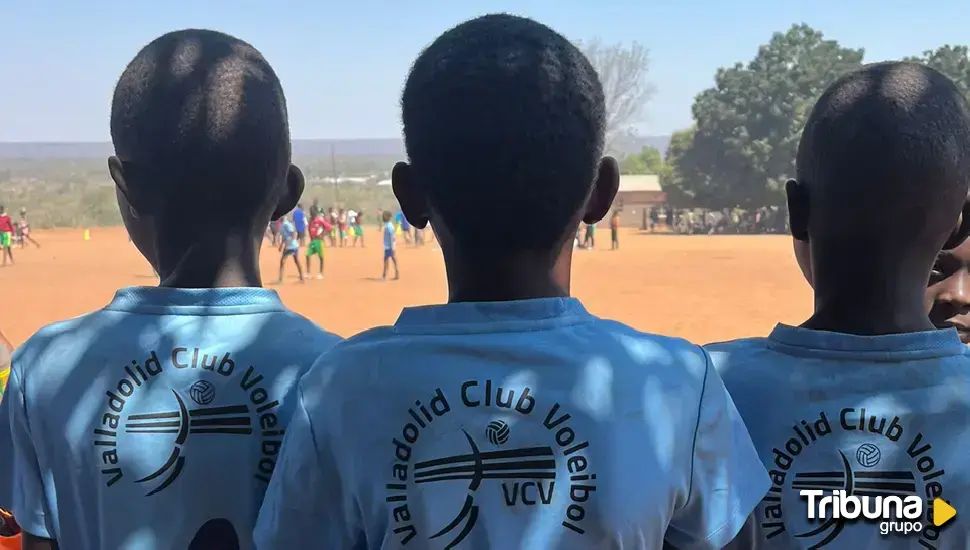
(510, 316)
(196, 301)
(886, 347)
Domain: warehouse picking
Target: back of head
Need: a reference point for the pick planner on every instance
(199, 121)
(885, 157)
(504, 127)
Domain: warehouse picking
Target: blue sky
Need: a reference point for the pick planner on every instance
(343, 63)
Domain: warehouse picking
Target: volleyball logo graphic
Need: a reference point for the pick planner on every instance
(497, 432)
(202, 392)
(868, 455)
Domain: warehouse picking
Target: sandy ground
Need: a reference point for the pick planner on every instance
(701, 288)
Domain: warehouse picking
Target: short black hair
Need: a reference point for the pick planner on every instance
(504, 123)
(202, 113)
(886, 156)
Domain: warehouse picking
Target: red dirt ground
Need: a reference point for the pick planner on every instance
(701, 288)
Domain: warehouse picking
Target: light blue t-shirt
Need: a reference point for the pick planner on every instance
(389, 236)
(154, 423)
(525, 425)
(288, 235)
(869, 415)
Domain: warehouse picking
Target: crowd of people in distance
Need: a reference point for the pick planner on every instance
(293, 231)
(203, 414)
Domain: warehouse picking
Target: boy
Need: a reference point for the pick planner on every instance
(23, 227)
(390, 245)
(153, 423)
(299, 222)
(615, 437)
(318, 228)
(6, 235)
(865, 396)
(948, 293)
(289, 248)
(358, 228)
(615, 230)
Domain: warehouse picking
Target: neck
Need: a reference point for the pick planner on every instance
(214, 260)
(870, 310)
(517, 278)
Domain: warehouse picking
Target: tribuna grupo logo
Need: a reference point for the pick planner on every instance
(894, 514)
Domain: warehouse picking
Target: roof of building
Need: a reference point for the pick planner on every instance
(639, 182)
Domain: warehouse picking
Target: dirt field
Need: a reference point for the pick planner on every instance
(701, 288)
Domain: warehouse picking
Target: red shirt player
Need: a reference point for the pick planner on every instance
(319, 227)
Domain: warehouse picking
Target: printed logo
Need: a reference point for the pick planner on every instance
(853, 477)
(525, 475)
(241, 407)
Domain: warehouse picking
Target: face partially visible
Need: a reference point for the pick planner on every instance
(948, 292)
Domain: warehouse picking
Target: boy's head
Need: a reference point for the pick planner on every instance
(882, 175)
(504, 129)
(386, 216)
(948, 292)
(201, 139)
(3, 209)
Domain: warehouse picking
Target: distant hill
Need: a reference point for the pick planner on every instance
(312, 148)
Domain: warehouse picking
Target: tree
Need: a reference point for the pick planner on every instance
(623, 71)
(953, 61)
(673, 180)
(748, 124)
(647, 161)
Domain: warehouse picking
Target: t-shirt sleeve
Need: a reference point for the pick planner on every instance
(727, 480)
(23, 493)
(305, 504)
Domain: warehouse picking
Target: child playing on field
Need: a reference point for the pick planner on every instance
(23, 227)
(289, 248)
(512, 377)
(319, 227)
(868, 382)
(170, 400)
(615, 230)
(6, 235)
(358, 229)
(390, 245)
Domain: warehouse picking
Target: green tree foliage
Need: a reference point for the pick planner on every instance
(647, 161)
(748, 124)
(953, 61)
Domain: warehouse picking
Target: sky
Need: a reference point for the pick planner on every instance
(343, 64)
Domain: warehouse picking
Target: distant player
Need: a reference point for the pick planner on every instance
(390, 246)
(319, 228)
(289, 248)
(342, 227)
(23, 228)
(358, 228)
(627, 439)
(615, 230)
(6, 235)
(171, 400)
(299, 222)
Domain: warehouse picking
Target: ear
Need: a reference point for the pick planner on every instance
(292, 191)
(798, 209)
(605, 186)
(136, 204)
(962, 231)
(414, 204)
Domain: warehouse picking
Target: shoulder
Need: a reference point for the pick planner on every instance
(734, 358)
(346, 361)
(54, 349)
(664, 359)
